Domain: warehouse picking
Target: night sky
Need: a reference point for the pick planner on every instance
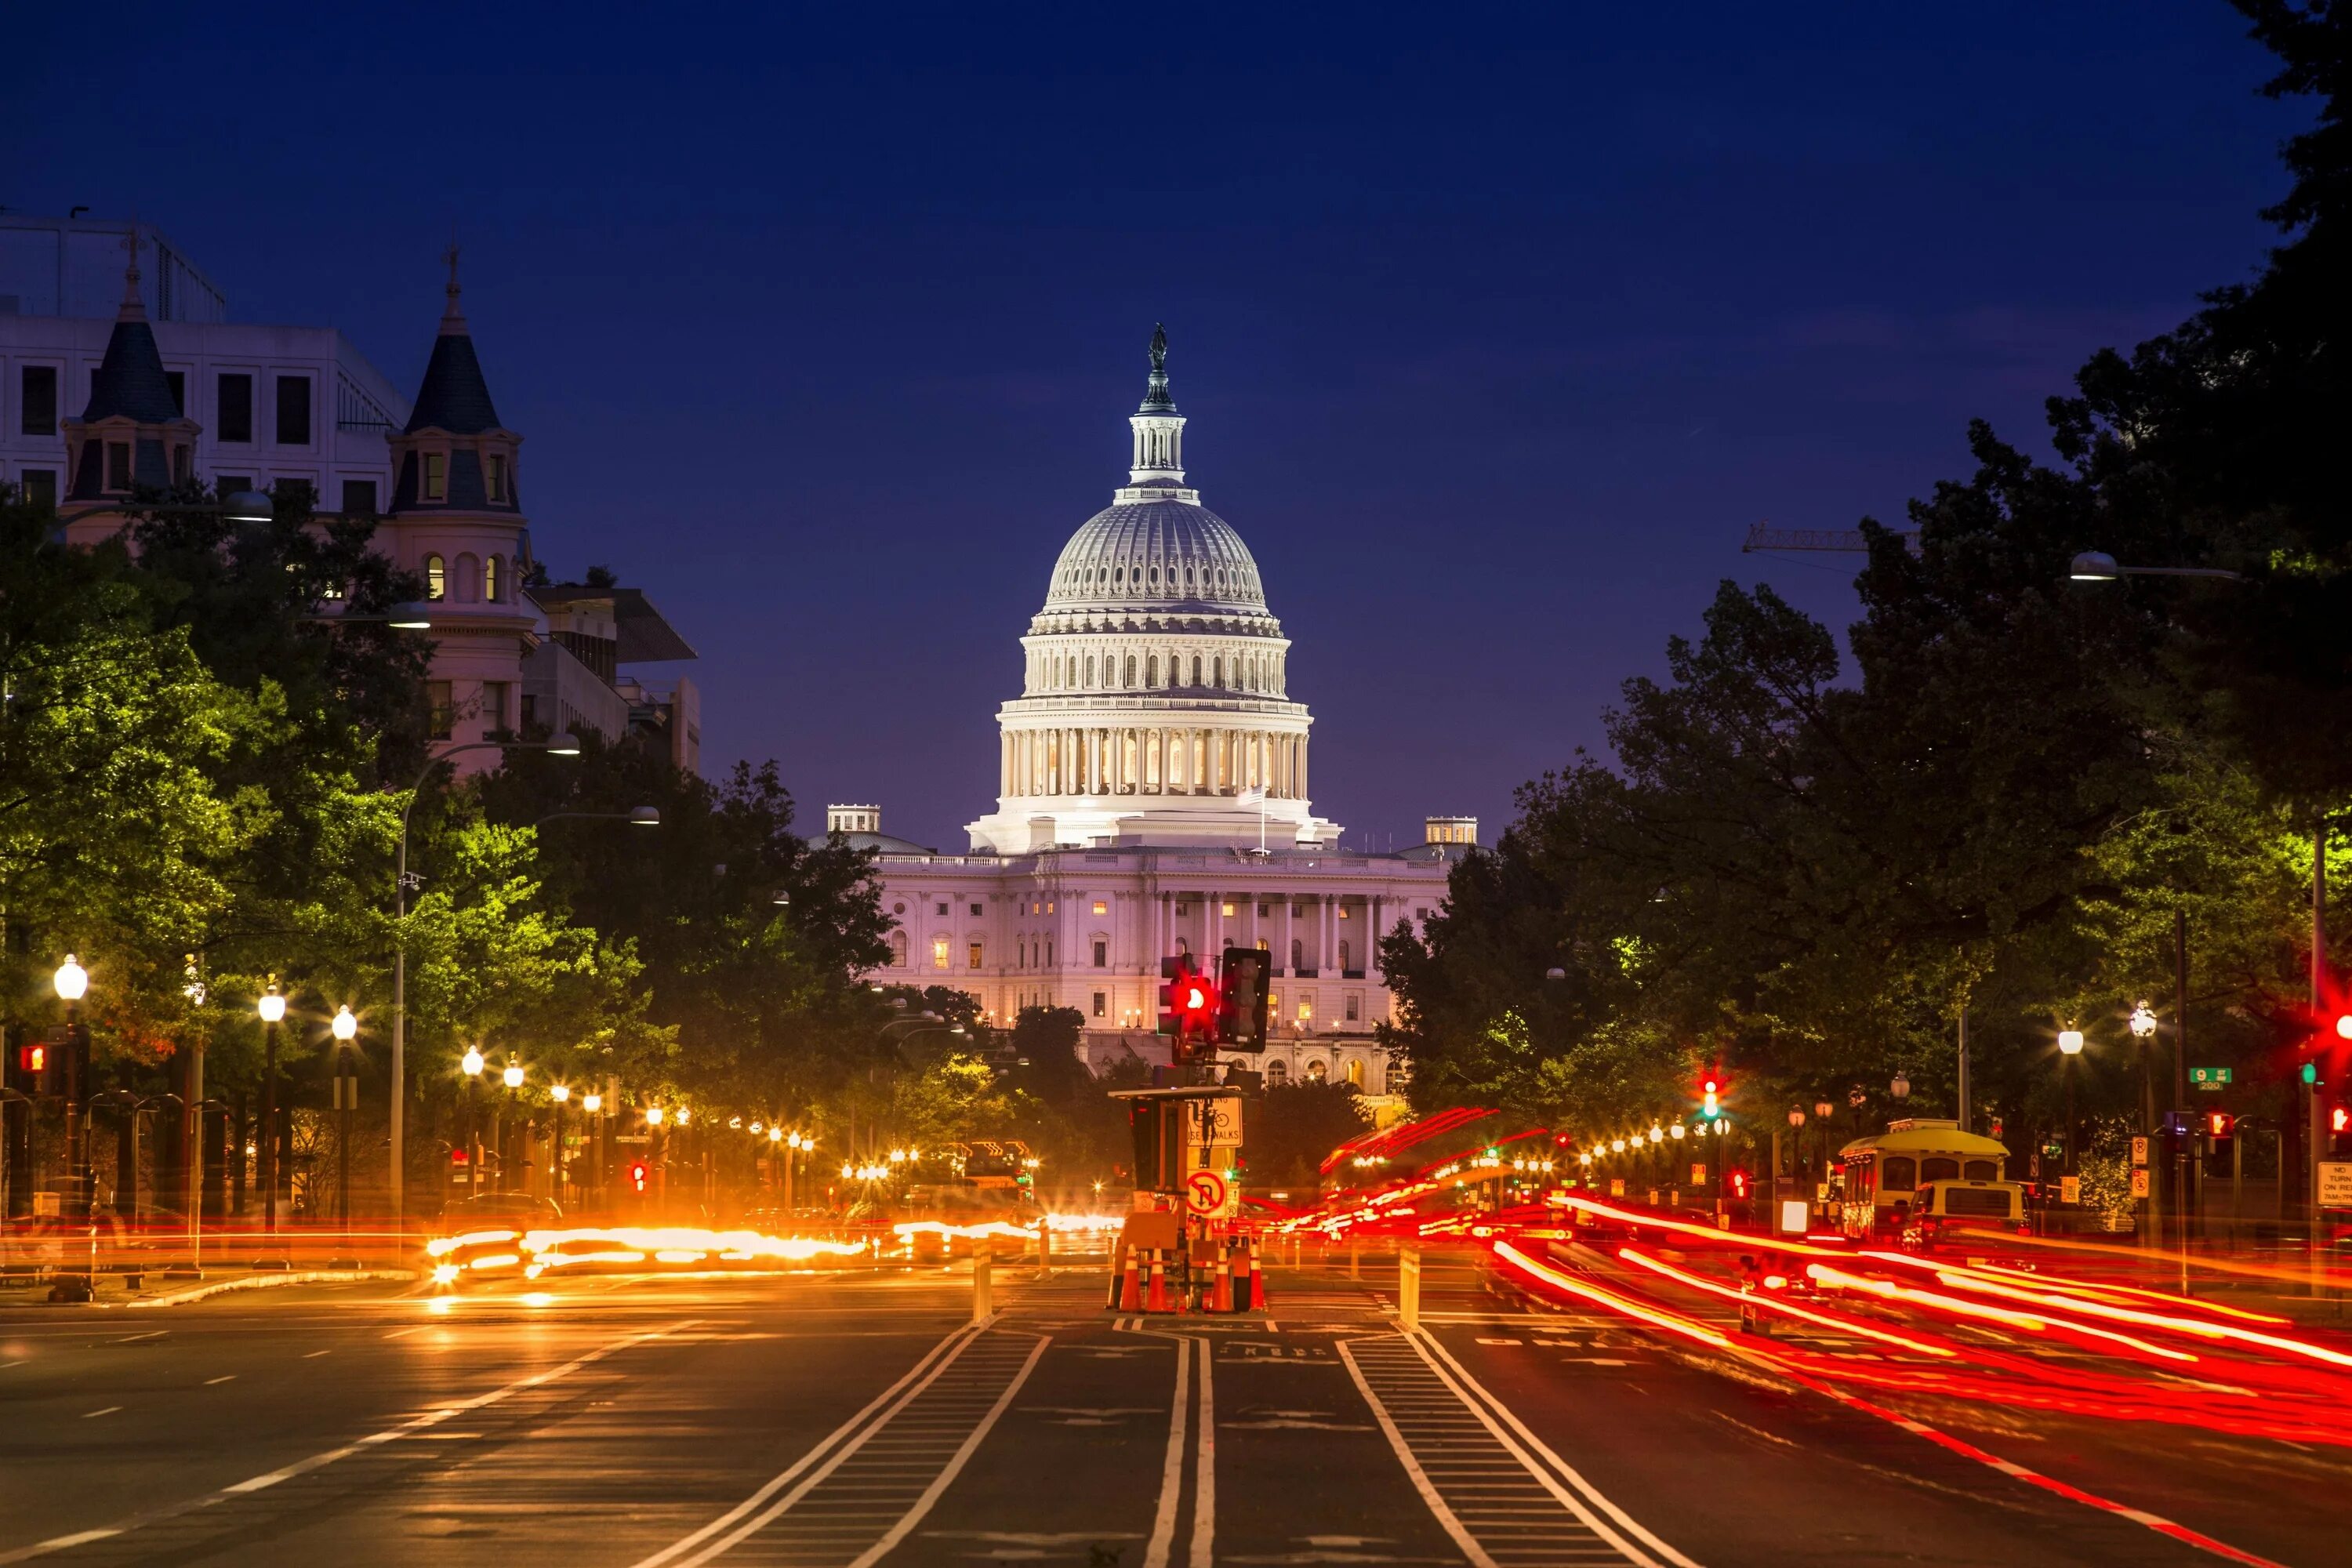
(1495, 328)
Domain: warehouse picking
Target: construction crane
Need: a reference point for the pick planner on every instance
(1764, 536)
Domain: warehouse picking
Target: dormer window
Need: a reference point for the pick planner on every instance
(118, 465)
(492, 588)
(434, 476)
(436, 578)
(495, 480)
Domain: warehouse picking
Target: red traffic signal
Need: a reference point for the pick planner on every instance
(637, 1174)
(2339, 1119)
(33, 1058)
(458, 1156)
(2218, 1123)
(1738, 1180)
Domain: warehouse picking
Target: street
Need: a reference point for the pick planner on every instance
(855, 1418)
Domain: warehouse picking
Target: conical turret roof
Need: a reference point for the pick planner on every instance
(453, 396)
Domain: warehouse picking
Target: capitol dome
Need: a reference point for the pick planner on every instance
(1154, 706)
(1163, 554)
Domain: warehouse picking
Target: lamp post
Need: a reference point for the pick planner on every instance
(2142, 1029)
(345, 1029)
(1899, 1085)
(470, 1064)
(561, 1094)
(272, 1008)
(562, 746)
(2070, 1046)
(593, 1104)
(511, 1075)
(72, 981)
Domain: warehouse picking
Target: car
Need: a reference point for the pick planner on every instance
(521, 1211)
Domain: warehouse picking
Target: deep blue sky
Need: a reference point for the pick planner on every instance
(1496, 328)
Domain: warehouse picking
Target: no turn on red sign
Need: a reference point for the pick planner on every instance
(1209, 1195)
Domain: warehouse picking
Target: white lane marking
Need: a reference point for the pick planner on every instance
(317, 1461)
(4, 1365)
(1464, 1386)
(108, 1411)
(955, 1465)
(1419, 1478)
(225, 1377)
(1171, 1468)
(314, 1355)
(399, 1333)
(1204, 1472)
(934, 1362)
(150, 1334)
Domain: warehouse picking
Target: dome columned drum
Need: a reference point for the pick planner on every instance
(1154, 707)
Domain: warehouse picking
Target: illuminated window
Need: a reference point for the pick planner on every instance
(1102, 1004)
(975, 955)
(495, 482)
(1307, 1012)
(1101, 908)
(1274, 1004)
(1049, 906)
(1343, 911)
(1317, 1072)
(1356, 1074)
(1225, 909)
(492, 587)
(434, 468)
(436, 578)
(939, 952)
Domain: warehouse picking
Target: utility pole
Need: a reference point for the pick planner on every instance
(2183, 1204)
(2310, 1092)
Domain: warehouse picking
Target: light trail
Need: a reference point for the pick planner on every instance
(1658, 1316)
(1887, 1289)
(1772, 1304)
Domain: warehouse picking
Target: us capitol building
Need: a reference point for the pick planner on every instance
(1152, 800)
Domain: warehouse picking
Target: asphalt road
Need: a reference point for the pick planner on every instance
(837, 1420)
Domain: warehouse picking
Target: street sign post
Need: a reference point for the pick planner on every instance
(2209, 1077)
(2336, 1184)
(1208, 1195)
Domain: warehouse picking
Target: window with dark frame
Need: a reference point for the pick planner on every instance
(118, 465)
(179, 379)
(436, 694)
(293, 410)
(39, 487)
(37, 411)
(1102, 954)
(234, 405)
(359, 497)
(436, 475)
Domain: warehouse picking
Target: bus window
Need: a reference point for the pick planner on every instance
(1939, 1168)
(1897, 1173)
(1983, 1170)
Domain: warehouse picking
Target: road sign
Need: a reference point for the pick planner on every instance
(2140, 1157)
(1698, 1174)
(1209, 1195)
(2070, 1189)
(2140, 1183)
(2209, 1077)
(2336, 1184)
(1214, 1121)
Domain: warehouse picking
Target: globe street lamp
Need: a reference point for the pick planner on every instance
(272, 1008)
(1900, 1085)
(511, 1075)
(470, 1064)
(345, 1029)
(561, 1093)
(2070, 1046)
(564, 744)
(71, 983)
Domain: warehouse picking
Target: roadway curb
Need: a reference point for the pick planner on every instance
(266, 1281)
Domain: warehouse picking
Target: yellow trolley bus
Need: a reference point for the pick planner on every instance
(1921, 1176)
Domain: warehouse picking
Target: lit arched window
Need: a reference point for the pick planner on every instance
(1356, 1074)
(436, 578)
(1317, 1072)
(493, 585)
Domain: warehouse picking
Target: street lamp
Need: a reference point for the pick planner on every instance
(345, 1029)
(513, 1074)
(563, 744)
(561, 1093)
(2099, 566)
(470, 1064)
(1900, 1085)
(272, 1008)
(72, 981)
(2070, 1046)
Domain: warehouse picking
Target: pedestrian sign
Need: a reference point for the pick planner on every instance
(1209, 1195)
(2140, 1183)
(2209, 1077)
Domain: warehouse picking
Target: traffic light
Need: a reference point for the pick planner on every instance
(1188, 1006)
(637, 1174)
(33, 1069)
(1709, 1106)
(2218, 1125)
(2310, 1072)
(1738, 1182)
(1243, 978)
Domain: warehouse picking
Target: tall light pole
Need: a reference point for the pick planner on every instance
(272, 1008)
(72, 981)
(470, 1064)
(2143, 1029)
(562, 746)
(560, 1093)
(591, 1104)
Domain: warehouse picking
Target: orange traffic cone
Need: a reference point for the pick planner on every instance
(1220, 1298)
(1130, 1292)
(1158, 1298)
(1256, 1279)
